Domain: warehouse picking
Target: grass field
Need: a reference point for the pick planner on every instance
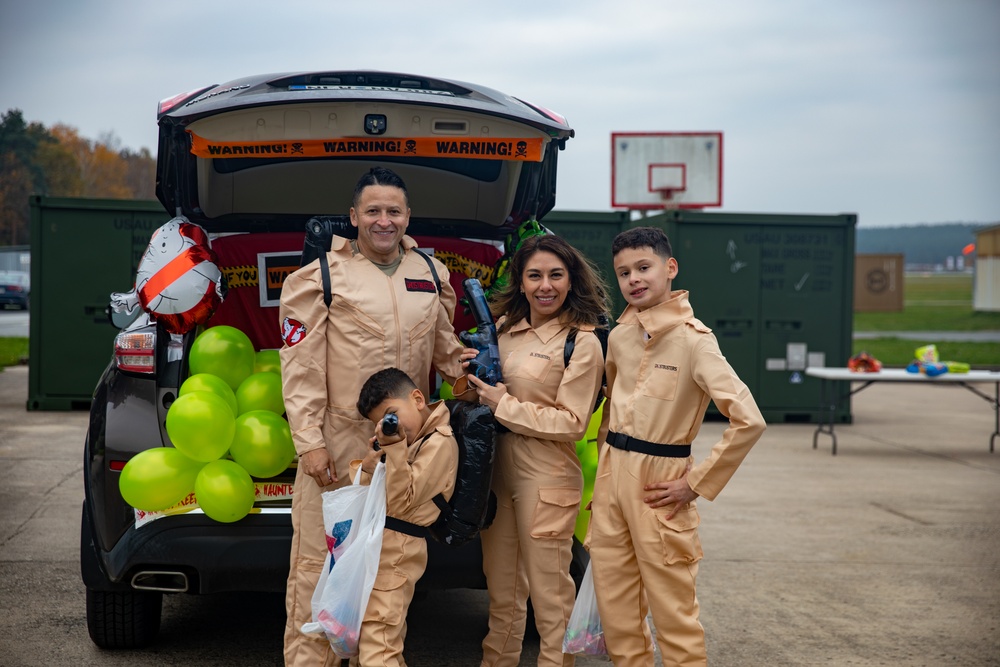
(931, 302)
(13, 351)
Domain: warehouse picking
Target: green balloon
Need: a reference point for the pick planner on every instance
(261, 391)
(224, 351)
(201, 425)
(224, 491)
(213, 384)
(157, 478)
(267, 360)
(583, 517)
(263, 443)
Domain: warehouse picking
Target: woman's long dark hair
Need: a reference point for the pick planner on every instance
(585, 302)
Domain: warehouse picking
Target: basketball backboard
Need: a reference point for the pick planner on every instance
(656, 170)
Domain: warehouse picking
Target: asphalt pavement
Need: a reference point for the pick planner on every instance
(886, 554)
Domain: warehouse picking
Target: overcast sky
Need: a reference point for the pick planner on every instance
(885, 108)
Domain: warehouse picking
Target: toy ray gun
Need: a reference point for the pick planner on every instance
(486, 365)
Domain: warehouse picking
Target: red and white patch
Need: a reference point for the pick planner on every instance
(414, 285)
(292, 331)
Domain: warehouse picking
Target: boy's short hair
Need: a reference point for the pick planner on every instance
(379, 176)
(383, 385)
(643, 237)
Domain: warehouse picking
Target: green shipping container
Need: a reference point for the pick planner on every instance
(82, 250)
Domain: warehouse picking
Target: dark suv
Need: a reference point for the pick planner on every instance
(252, 161)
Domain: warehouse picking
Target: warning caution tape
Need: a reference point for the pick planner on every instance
(520, 150)
(263, 492)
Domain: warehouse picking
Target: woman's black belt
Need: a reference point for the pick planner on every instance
(630, 444)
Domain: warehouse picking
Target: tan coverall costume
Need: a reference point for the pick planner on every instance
(538, 482)
(374, 322)
(663, 367)
(415, 472)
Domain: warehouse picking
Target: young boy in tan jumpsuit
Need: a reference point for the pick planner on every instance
(386, 312)
(663, 368)
(421, 461)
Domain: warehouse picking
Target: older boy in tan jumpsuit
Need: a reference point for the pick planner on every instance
(663, 368)
(421, 461)
(386, 312)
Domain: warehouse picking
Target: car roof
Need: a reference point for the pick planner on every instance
(359, 85)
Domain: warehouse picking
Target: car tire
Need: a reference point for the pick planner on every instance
(123, 619)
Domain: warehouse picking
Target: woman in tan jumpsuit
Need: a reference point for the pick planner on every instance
(542, 408)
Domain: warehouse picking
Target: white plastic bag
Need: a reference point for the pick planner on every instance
(353, 518)
(584, 635)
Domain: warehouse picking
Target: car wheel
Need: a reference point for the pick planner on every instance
(123, 619)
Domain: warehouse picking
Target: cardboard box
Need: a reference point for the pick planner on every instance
(878, 283)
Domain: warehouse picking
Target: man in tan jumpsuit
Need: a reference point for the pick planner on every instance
(421, 461)
(386, 312)
(663, 368)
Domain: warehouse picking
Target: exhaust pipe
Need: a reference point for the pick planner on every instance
(160, 580)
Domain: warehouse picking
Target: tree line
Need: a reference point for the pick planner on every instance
(58, 162)
(919, 244)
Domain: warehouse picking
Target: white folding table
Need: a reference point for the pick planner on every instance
(830, 397)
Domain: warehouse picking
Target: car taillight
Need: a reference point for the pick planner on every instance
(134, 352)
(171, 102)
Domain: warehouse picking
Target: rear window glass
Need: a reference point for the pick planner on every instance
(486, 171)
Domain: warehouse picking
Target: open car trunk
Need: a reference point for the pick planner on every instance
(269, 152)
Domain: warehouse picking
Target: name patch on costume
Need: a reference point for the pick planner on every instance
(292, 331)
(414, 285)
(665, 367)
(540, 356)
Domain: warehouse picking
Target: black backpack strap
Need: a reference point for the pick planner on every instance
(430, 265)
(601, 332)
(324, 270)
(319, 234)
(442, 505)
(569, 346)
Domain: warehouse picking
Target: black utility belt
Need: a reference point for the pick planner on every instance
(406, 527)
(630, 444)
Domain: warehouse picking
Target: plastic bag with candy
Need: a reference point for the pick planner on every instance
(584, 634)
(345, 584)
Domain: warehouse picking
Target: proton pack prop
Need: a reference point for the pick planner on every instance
(178, 281)
(472, 505)
(486, 365)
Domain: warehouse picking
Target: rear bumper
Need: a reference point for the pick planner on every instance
(249, 555)
(11, 300)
